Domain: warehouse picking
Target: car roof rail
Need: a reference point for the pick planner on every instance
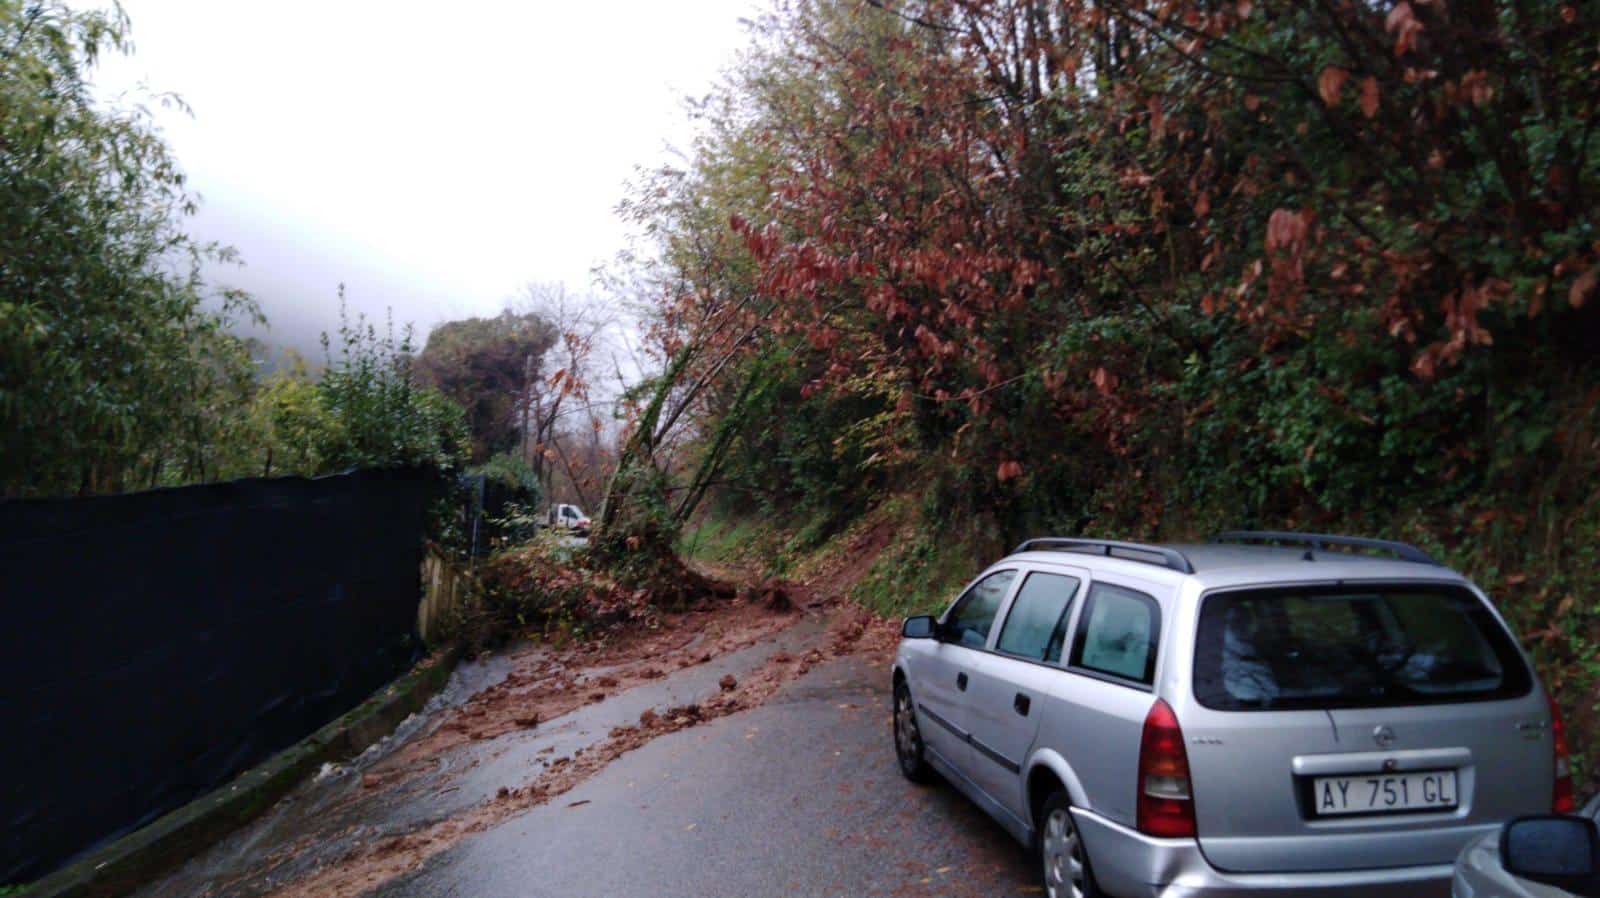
(1319, 541)
(1170, 557)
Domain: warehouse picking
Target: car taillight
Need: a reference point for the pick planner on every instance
(1561, 802)
(1166, 806)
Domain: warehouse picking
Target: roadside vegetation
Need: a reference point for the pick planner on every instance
(1138, 270)
(122, 366)
(934, 277)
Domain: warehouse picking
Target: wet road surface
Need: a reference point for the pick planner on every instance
(799, 797)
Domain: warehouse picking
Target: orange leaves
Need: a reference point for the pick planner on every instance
(1369, 97)
(1426, 364)
(1252, 273)
(932, 346)
(1133, 176)
(1330, 83)
(1008, 470)
(1402, 23)
(1330, 87)
(1287, 230)
(1461, 310)
(1583, 287)
(1288, 244)
(1475, 87)
(1158, 118)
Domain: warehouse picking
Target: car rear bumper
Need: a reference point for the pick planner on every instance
(1127, 862)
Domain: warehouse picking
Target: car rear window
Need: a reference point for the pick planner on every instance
(1350, 647)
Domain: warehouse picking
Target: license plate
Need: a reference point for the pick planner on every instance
(1429, 790)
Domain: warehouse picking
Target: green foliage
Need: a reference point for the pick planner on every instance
(363, 409)
(117, 357)
(798, 453)
(1155, 270)
(509, 470)
(512, 497)
(121, 370)
(638, 538)
(766, 544)
(294, 425)
(386, 418)
(484, 365)
(640, 524)
(720, 538)
(918, 576)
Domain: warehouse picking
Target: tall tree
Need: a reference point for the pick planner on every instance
(116, 355)
(560, 419)
(490, 366)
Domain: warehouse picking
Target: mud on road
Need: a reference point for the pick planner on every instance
(518, 730)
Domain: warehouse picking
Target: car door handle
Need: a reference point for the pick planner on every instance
(1021, 704)
(961, 682)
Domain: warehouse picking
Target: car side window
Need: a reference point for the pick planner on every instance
(1118, 634)
(969, 621)
(1036, 625)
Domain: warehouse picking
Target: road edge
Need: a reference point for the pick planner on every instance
(144, 854)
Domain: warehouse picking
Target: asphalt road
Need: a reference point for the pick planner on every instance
(799, 797)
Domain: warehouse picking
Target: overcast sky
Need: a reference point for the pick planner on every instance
(433, 157)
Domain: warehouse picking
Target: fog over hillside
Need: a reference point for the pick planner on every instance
(432, 161)
(295, 279)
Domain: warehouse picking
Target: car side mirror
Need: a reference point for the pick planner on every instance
(922, 626)
(1560, 851)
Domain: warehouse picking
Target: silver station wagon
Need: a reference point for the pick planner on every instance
(1270, 713)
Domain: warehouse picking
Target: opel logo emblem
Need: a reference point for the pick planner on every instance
(1383, 736)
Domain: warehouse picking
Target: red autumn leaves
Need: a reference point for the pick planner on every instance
(1330, 86)
(969, 183)
(1403, 24)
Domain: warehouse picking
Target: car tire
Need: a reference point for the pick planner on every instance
(1058, 846)
(908, 746)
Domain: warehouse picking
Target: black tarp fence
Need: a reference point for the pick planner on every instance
(153, 645)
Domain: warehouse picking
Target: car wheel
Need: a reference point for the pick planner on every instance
(1061, 853)
(907, 738)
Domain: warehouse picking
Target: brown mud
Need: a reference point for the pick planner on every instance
(544, 685)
